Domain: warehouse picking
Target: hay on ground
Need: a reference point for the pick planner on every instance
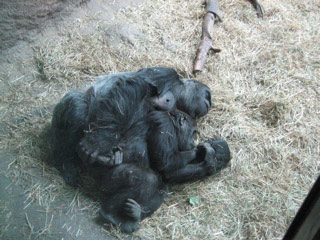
(265, 86)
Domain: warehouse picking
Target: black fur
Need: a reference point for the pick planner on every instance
(116, 117)
(68, 122)
(170, 140)
(115, 122)
(118, 102)
(133, 192)
(194, 98)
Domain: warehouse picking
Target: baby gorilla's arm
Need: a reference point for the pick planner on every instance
(213, 155)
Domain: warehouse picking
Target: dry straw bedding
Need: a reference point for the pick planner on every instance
(265, 86)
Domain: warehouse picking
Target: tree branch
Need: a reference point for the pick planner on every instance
(206, 42)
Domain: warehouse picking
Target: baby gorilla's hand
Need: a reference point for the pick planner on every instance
(205, 154)
(209, 157)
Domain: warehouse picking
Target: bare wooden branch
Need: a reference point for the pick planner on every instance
(258, 7)
(206, 42)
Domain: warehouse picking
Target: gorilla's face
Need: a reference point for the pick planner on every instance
(185, 129)
(195, 99)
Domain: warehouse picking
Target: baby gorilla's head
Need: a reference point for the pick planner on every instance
(222, 152)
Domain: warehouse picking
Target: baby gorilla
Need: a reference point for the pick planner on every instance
(134, 190)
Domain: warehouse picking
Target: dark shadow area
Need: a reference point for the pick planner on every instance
(21, 19)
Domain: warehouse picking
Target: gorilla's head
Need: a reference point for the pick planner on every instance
(194, 98)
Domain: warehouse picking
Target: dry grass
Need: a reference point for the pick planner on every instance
(265, 86)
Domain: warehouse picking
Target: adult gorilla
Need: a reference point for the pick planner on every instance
(116, 122)
(114, 110)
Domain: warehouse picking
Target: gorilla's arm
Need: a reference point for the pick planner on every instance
(213, 156)
(177, 161)
(192, 171)
(113, 110)
(166, 158)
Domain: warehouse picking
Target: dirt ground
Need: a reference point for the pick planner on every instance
(265, 86)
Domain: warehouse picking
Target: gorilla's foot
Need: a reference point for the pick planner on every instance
(133, 209)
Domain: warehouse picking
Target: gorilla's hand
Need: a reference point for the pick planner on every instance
(89, 155)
